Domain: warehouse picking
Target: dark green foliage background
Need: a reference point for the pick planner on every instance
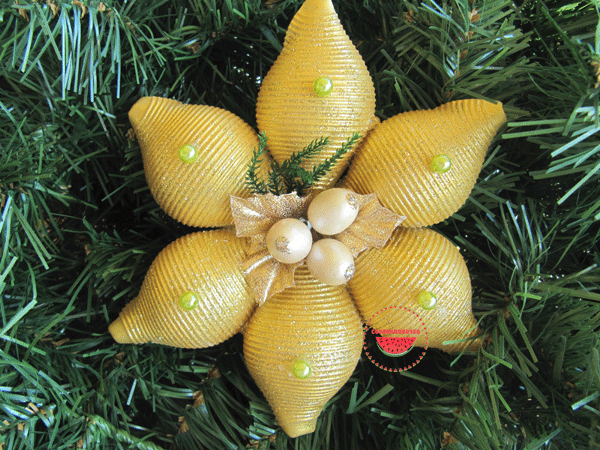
(79, 227)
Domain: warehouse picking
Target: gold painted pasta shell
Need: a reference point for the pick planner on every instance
(416, 264)
(194, 294)
(301, 346)
(402, 159)
(195, 156)
(289, 110)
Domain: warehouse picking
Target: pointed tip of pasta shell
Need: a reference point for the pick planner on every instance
(138, 111)
(394, 160)
(296, 429)
(119, 332)
(318, 7)
(290, 112)
(194, 191)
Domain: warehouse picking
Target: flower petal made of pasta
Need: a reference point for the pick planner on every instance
(290, 112)
(195, 157)
(193, 296)
(301, 346)
(415, 261)
(401, 160)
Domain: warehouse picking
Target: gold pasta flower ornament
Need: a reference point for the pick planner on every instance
(302, 336)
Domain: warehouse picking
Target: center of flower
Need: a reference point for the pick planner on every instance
(326, 232)
(330, 261)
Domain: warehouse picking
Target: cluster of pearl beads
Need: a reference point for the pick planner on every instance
(290, 241)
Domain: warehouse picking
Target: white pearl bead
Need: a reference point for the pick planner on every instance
(333, 210)
(330, 262)
(289, 241)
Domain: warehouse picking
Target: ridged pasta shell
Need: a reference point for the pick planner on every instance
(195, 192)
(309, 327)
(416, 260)
(288, 109)
(204, 264)
(394, 160)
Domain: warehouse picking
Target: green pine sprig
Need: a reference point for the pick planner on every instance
(252, 181)
(289, 176)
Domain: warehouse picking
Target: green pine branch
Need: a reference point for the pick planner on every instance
(252, 181)
(318, 172)
(463, 50)
(295, 178)
(289, 176)
(86, 39)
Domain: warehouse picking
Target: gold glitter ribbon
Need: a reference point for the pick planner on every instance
(372, 227)
(253, 217)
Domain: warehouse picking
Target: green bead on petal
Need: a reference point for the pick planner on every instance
(323, 86)
(301, 369)
(427, 300)
(189, 301)
(188, 154)
(440, 164)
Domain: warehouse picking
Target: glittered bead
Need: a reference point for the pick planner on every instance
(333, 210)
(188, 154)
(289, 241)
(188, 301)
(330, 262)
(323, 86)
(427, 300)
(301, 369)
(440, 164)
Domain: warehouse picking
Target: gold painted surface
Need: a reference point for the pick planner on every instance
(309, 323)
(394, 160)
(413, 261)
(196, 193)
(205, 263)
(291, 113)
